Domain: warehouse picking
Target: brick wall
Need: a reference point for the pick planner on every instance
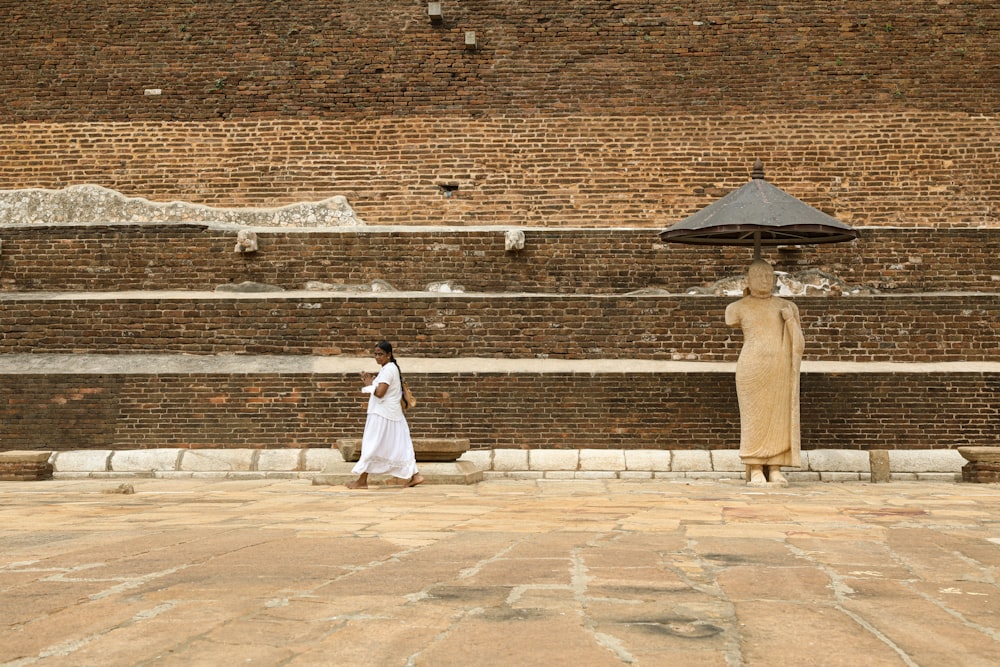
(85, 61)
(918, 328)
(595, 115)
(625, 116)
(162, 257)
(605, 410)
(865, 167)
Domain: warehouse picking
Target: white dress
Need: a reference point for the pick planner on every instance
(386, 447)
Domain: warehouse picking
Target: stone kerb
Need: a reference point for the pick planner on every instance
(319, 463)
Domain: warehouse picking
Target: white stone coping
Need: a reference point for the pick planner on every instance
(140, 363)
(817, 464)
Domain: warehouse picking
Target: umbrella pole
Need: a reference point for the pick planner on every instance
(756, 246)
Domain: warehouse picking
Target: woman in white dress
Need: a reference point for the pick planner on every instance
(386, 447)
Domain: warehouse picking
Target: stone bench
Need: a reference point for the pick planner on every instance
(427, 450)
(25, 466)
(437, 459)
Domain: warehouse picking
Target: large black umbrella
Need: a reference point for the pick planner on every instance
(758, 214)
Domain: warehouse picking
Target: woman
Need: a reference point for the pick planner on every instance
(767, 377)
(386, 448)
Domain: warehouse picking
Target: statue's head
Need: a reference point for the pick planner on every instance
(760, 278)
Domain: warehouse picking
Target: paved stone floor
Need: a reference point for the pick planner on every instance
(189, 572)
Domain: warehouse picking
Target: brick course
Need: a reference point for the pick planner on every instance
(917, 328)
(867, 168)
(574, 410)
(258, 59)
(199, 257)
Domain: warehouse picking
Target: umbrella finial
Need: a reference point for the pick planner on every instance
(758, 170)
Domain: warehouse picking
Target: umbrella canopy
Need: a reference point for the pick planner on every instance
(758, 214)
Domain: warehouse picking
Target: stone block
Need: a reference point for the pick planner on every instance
(144, 460)
(838, 460)
(648, 460)
(595, 474)
(216, 460)
(525, 475)
(827, 476)
(878, 461)
(691, 461)
(171, 474)
(482, 459)
(25, 465)
(506, 460)
(945, 477)
(727, 460)
(635, 474)
(84, 460)
(602, 459)
(709, 474)
(553, 459)
(926, 460)
(282, 474)
(272, 460)
(317, 459)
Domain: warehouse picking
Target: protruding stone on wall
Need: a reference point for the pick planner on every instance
(246, 241)
(93, 203)
(513, 240)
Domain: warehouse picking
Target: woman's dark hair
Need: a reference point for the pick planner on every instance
(386, 347)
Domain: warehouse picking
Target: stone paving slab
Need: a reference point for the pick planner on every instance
(506, 572)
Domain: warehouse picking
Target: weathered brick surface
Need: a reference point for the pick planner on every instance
(260, 59)
(604, 410)
(916, 328)
(598, 114)
(159, 257)
(625, 117)
(865, 167)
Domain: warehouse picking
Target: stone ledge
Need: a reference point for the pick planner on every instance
(817, 465)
